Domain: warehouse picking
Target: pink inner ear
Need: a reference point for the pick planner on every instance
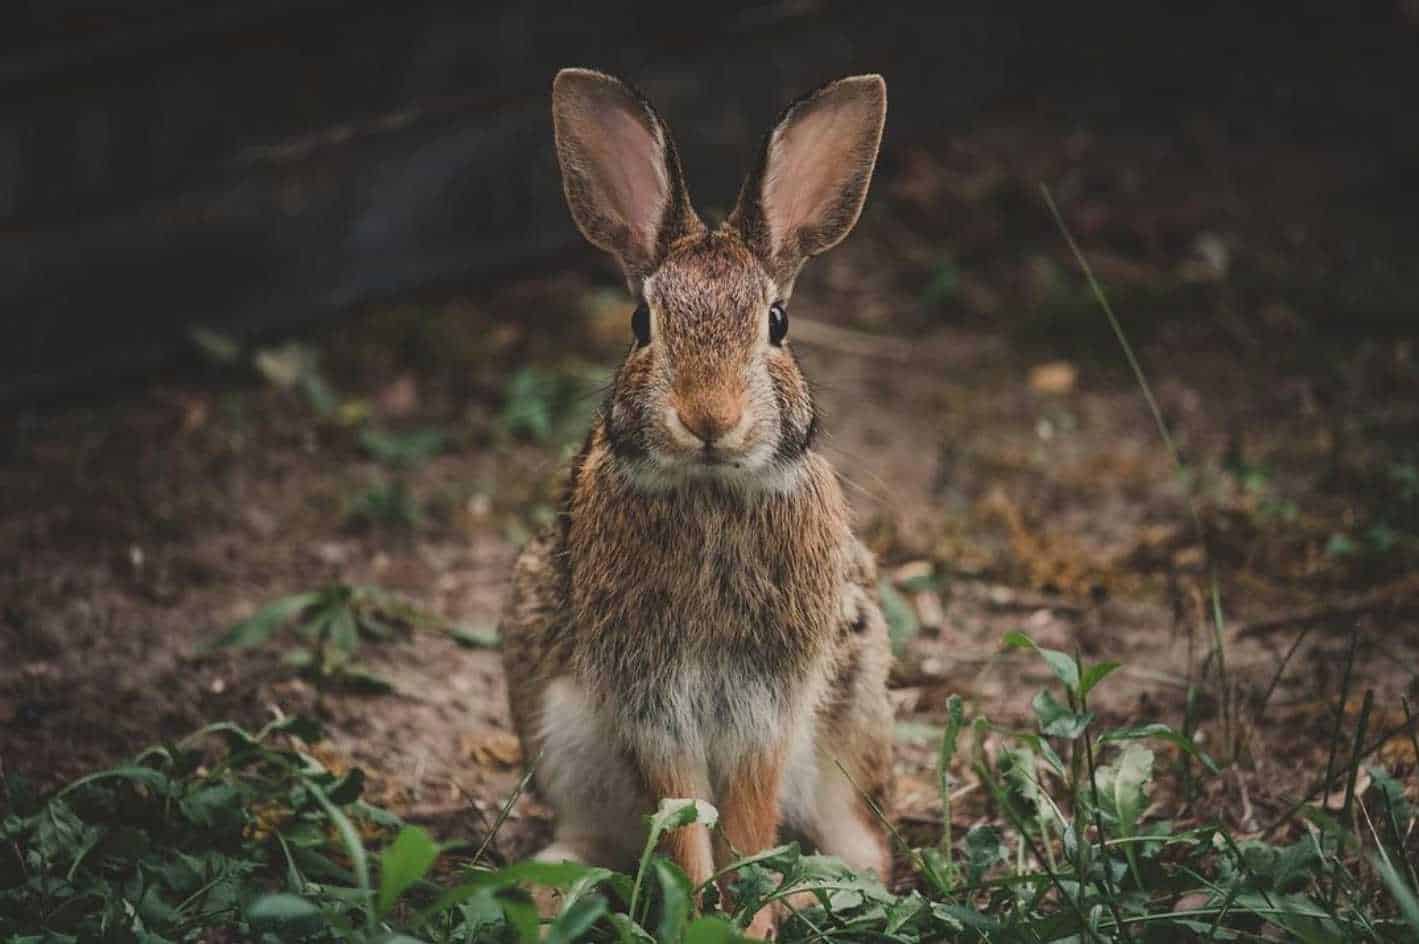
(625, 159)
(812, 161)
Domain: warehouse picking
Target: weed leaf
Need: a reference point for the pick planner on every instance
(284, 913)
(1062, 664)
(1058, 720)
(576, 921)
(902, 624)
(676, 899)
(406, 861)
(1095, 674)
(262, 625)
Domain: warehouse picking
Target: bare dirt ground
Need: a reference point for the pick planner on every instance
(973, 399)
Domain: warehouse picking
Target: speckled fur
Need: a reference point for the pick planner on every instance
(703, 627)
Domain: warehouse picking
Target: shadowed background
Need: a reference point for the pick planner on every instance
(250, 167)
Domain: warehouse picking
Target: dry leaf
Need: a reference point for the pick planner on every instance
(492, 747)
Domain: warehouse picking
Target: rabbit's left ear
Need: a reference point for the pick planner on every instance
(808, 188)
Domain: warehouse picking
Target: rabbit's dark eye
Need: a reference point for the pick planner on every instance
(778, 323)
(640, 324)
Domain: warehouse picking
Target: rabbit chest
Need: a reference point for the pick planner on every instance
(700, 615)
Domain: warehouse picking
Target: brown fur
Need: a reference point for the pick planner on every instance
(701, 621)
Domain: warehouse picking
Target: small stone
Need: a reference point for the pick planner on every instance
(929, 611)
(913, 570)
(1054, 378)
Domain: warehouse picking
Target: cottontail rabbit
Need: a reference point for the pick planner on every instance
(701, 621)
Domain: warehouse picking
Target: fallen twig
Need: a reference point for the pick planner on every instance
(1395, 597)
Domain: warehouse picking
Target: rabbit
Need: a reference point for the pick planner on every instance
(700, 620)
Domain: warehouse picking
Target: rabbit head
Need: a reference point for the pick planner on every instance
(710, 388)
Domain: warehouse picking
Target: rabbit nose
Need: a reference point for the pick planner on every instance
(710, 418)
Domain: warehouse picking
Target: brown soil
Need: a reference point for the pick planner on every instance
(974, 401)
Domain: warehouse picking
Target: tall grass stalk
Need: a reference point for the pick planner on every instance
(1214, 586)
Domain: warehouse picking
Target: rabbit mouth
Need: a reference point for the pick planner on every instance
(709, 457)
(715, 461)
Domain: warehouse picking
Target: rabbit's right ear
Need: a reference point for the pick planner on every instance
(620, 171)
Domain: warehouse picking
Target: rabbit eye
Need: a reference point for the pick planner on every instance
(640, 324)
(778, 323)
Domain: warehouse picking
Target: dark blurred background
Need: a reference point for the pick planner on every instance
(255, 167)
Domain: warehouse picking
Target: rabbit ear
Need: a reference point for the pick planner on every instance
(619, 169)
(811, 180)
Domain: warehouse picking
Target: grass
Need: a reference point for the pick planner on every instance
(234, 834)
(321, 633)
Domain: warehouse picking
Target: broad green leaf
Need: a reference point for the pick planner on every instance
(1123, 788)
(576, 920)
(354, 848)
(549, 405)
(1061, 663)
(1058, 720)
(358, 677)
(520, 912)
(676, 901)
(531, 872)
(1095, 674)
(263, 624)
(307, 729)
(348, 788)
(1018, 769)
(405, 449)
(155, 780)
(1394, 810)
(481, 915)
(1205, 930)
(673, 813)
(628, 932)
(903, 910)
(907, 731)
(985, 847)
(1042, 747)
(551, 874)
(1404, 896)
(786, 859)
(219, 347)
(958, 917)
(284, 912)
(938, 870)
(476, 638)
(711, 930)
(342, 631)
(1163, 733)
(1128, 786)
(406, 861)
(61, 835)
(902, 624)
(299, 658)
